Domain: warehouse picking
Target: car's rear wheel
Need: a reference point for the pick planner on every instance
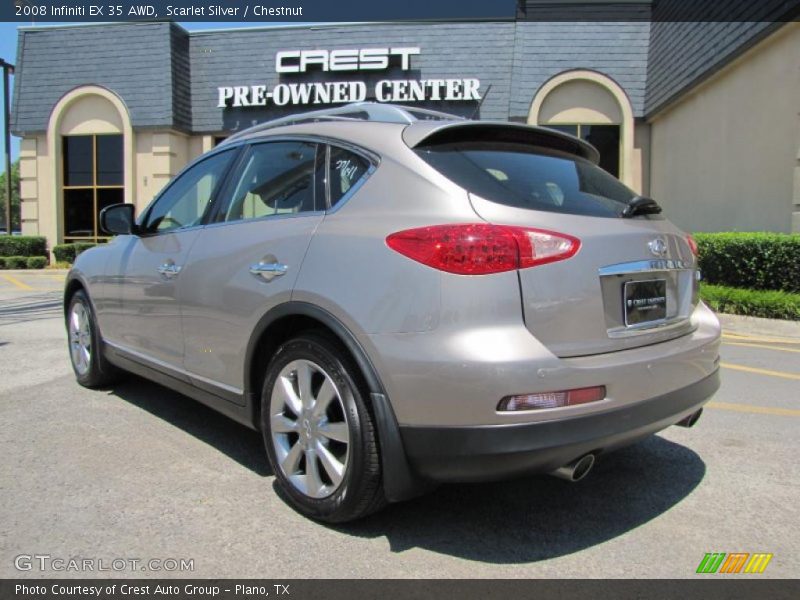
(318, 431)
(85, 347)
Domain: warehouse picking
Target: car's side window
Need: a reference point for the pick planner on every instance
(184, 203)
(277, 178)
(346, 168)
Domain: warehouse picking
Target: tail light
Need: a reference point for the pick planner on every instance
(482, 248)
(552, 399)
(692, 244)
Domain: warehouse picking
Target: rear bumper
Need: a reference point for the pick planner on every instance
(480, 453)
(455, 375)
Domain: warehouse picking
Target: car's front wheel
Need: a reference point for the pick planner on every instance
(85, 348)
(319, 433)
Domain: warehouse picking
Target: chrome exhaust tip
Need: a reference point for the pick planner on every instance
(690, 420)
(576, 470)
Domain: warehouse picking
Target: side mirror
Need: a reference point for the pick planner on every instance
(118, 219)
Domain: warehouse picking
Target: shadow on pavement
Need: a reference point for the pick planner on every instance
(519, 521)
(236, 441)
(541, 517)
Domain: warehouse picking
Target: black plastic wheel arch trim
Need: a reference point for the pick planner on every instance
(399, 480)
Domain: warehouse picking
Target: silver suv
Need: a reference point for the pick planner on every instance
(396, 297)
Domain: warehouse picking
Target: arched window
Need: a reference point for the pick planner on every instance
(591, 106)
(89, 133)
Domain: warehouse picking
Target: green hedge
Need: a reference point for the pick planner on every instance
(37, 262)
(758, 261)
(769, 304)
(68, 252)
(23, 262)
(22, 245)
(64, 252)
(15, 262)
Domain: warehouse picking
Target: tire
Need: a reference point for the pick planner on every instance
(85, 345)
(319, 433)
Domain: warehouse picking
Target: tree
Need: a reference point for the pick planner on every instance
(15, 215)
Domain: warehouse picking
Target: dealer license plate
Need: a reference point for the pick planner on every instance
(645, 301)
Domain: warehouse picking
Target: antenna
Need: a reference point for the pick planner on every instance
(480, 103)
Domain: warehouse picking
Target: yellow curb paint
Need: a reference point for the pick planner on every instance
(782, 374)
(16, 282)
(749, 408)
(749, 345)
(760, 338)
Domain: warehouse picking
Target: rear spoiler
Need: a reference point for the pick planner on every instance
(429, 133)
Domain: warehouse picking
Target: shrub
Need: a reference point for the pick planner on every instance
(759, 261)
(37, 262)
(64, 252)
(81, 246)
(16, 262)
(68, 252)
(2, 262)
(769, 304)
(22, 245)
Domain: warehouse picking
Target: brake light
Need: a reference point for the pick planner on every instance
(692, 244)
(482, 248)
(552, 399)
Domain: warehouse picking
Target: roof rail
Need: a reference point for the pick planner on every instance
(355, 111)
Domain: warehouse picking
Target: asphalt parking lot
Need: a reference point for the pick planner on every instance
(138, 471)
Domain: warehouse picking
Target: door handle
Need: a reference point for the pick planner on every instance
(169, 269)
(268, 270)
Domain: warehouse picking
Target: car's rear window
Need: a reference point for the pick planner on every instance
(530, 177)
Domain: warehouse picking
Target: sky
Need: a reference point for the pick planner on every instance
(8, 51)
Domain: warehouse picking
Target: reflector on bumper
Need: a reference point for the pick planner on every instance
(552, 399)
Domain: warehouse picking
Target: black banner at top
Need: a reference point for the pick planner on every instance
(301, 11)
(313, 11)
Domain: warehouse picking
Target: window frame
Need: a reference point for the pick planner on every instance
(217, 216)
(97, 238)
(236, 152)
(323, 148)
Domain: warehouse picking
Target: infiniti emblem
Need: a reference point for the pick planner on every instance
(658, 247)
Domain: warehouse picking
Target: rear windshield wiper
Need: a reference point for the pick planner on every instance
(640, 205)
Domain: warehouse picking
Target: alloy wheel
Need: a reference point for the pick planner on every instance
(80, 338)
(309, 429)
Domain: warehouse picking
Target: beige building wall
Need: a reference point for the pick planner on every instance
(726, 157)
(29, 188)
(36, 189)
(640, 159)
(160, 155)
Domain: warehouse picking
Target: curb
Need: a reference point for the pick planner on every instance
(757, 325)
